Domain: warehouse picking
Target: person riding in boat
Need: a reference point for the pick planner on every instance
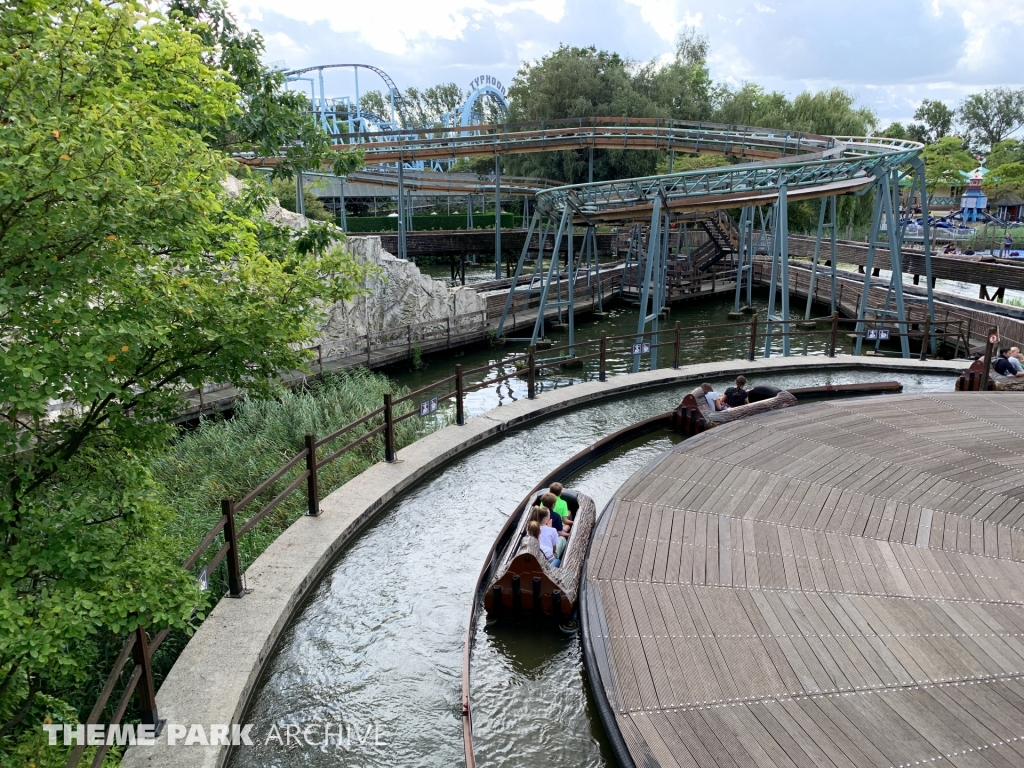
(716, 402)
(547, 537)
(737, 395)
(548, 502)
(1003, 365)
(561, 508)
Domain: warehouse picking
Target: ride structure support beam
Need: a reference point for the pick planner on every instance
(652, 269)
(497, 217)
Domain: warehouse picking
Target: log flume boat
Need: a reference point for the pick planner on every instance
(525, 585)
(506, 557)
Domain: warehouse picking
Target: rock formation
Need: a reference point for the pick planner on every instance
(399, 295)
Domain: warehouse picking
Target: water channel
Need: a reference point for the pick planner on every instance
(376, 650)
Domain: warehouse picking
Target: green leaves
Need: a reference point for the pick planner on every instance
(127, 275)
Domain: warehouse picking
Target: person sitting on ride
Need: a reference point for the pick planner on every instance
(737, 395)
(547, 537)
(1014, 358)
(950, 248)
(1003, 365)
(715, 400)
(561, 508)
(548, 501)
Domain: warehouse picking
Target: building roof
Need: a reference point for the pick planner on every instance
(1008, 199)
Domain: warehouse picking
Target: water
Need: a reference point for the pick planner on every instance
(703, 345)
(378, 646)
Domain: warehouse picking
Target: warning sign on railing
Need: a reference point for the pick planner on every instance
(993, 338)
(641, 349)
(428, 407)
(877, 334)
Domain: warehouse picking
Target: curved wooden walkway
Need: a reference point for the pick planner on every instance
(839, 584)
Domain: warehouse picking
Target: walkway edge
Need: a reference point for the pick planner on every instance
(215, 675)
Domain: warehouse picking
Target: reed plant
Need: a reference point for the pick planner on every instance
(228, 458)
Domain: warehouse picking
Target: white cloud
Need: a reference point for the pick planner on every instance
(396, 27)
(764, 8)
(993, 32)
(666, 17)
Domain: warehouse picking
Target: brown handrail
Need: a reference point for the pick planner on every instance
(347, 427)
(362, 438)
(270, 480)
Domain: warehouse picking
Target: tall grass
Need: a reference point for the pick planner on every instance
(227, 459)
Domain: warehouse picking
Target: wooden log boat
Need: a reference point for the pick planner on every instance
(971, 379)
(525, 585)
(694, 415)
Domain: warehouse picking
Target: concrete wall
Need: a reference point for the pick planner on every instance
(212, 680)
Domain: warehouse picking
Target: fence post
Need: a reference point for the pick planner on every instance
(320, 358)
(531, 376)
(389, 430)
(992, 333)
(145, 688)
(926, 341)
(832, 336)
(967, 339)
(227, 508)
(675, 356)
(753, 336)
(601, 375)
(312, 484)
(367, 349)
(460, 416)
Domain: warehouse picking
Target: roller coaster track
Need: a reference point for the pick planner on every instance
(808, 165)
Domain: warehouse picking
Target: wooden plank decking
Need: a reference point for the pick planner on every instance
(838, 584)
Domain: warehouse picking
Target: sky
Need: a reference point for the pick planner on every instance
(890, 54)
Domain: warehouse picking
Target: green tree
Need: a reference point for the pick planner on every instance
(127, 275)
(682, 90)
(832, 113)
(751, 105)
(426, 107)
(945, 161)
(284, 190)
(936, 121)
(895, 130)
(1005, 151)
(1008, 177)
(992, 115)
(272, 121)
(578, 83)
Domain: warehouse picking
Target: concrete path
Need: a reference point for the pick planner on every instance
(214, 677)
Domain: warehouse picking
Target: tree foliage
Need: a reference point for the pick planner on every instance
(945, 161)
(271, 121)
(285, 192)
(992, 115)
(936, 122)
(126, 276)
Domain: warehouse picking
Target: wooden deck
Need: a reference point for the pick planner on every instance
(837, 584)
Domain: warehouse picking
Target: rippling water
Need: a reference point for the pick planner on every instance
(377, 649)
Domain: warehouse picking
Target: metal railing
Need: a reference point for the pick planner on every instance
(379, 424)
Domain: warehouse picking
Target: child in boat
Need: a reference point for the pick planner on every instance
(715, 401)
(547, 537)
(561, 508)
(548, 501)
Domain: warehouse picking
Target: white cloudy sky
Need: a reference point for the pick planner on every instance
(891, 53)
